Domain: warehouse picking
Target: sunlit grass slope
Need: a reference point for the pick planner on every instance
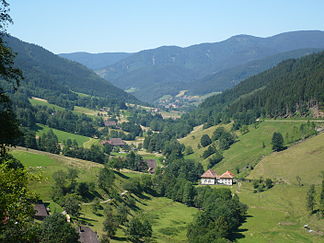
(305, 159)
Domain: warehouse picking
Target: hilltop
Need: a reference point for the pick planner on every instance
(95, 60)
(174, 68)
(46, 74)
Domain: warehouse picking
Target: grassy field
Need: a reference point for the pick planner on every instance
(46, 164)
(77, 109)
(248, 150)
(169, 219)
(277, 215)
(86, 111)
(171, 114)
(36, 101)
(193, 139)
(63, 136)
(305, 159)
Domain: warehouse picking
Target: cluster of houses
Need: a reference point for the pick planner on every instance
(211, 178)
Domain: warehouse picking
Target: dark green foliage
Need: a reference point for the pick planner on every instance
(209, 151)
(277, 142)
(310, 199)
(225, 139)
(139, 230)
(173, 149)
(289, 89)
(321, 202)
(222, 214)
(48, 142)
(133, 185)
(116, 163)
(95, 153)
(15, 203)
(189, 150)
(218, 133)
(135, 162)
(229, 77)
(71, 205)
(11, 78)
(55, 229)
(205, 140)
(122, 212)
(132, 128)
(106, 179)
(261, 185)
(214, 159)
(54, 77)
(110, 223)
(64, 183)
(66, 121)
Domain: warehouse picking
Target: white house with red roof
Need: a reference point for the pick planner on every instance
(211, 178)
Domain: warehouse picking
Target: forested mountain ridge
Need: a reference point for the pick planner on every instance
(48, 74)
(195, 62)
(291, 88)
(95, 60)
(230, 77)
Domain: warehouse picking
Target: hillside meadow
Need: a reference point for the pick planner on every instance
(63, 136)
(249, 148)
(277, 215)
(169, 219)
(305, 160)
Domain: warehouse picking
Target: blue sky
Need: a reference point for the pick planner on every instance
(133, 25)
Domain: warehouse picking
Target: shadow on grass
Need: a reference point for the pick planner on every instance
(87, 219)
(121, 174)
(238, 233)
(119, 238)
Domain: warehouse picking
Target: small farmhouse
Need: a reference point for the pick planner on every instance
(87, 235)
(211, 178)
(151, 164)
(40, 211)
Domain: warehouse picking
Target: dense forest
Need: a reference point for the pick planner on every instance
(207, 67)
(291, 88)
(51, 77)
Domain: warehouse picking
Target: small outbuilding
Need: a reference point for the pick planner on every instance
(151, 164)
(40, 211)
(87, 235)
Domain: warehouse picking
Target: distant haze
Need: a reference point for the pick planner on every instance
(130, 26)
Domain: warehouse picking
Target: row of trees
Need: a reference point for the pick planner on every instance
(221, 212)
(16, 209)
(311, 204)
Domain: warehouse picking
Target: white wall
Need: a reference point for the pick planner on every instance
(205, 181)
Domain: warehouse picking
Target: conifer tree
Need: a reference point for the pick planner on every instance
(277, 142)
(321, 202)
(311, 199)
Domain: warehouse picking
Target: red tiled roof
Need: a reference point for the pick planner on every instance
(209, 174)
(227, 175)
